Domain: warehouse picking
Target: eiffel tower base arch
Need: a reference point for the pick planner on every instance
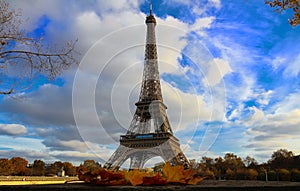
(139, 151)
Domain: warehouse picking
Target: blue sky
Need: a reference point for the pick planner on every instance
(229, 70)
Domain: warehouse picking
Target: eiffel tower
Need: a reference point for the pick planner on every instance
(150, 133)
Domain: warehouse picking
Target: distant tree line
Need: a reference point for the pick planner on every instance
(283, 166)
(18, 166)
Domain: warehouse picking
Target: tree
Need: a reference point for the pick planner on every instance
(209, 162)
(283, 5)
(69, 168)
(296, 161)
(241, 174)
(6, 167)
(23, 56)
(208, 174)
(55, 168)
(249, 161)
(221, 169)
(38, 168)
(284, 175)
(295, 175)
(272, 175)
(233, 162)
(19, 165)
(252, 174)
(91, 165)
(230, 174)
(282, 158)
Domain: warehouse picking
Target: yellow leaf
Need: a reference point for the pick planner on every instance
(174, 173)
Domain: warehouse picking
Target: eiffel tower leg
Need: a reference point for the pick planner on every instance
(136, 161)
(170, 151)
(138, 158)
(118, 158)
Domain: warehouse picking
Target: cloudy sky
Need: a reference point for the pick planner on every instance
(229, 72)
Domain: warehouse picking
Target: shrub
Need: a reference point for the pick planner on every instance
(252, 174)
(295, 175)
(261, 176)
(208, 174)
(284, 175)
(272, 175)
(230, 174)
(241, 174)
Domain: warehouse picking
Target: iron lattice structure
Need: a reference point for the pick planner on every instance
(150, 133)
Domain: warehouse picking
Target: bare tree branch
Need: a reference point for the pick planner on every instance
(17, 50)
(7, 92)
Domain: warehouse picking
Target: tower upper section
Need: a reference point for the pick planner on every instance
(151, 89)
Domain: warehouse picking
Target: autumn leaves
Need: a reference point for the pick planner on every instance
(169, 175)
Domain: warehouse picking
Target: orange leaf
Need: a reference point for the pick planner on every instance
(107, 175)
(86, 176)
(177, 174)
(154, 180)
(195, 180)
(172, 174)
(135, 177)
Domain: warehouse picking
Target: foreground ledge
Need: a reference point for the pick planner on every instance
(206, 185)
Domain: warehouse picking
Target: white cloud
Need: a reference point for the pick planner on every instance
(264, 97)
(217, 70)
(170, 33)
(267, 127)
(22, 143)
(257, 116)
(40, 8)
(174, 2)
(73, 145)
(31, 106)
(289, 64)
(117, 5)
(277, 129)
(289, 103)
(278, 61)
(88, 26)
(12, 129)
(216, 3)
(287, 119)
(186, 110)
(293, 68)
(201, 24)
(232, 50)
(28, 154)
(200, 9)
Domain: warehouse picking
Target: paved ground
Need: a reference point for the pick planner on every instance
(203, 186)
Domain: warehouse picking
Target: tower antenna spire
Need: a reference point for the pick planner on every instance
(150, 8)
